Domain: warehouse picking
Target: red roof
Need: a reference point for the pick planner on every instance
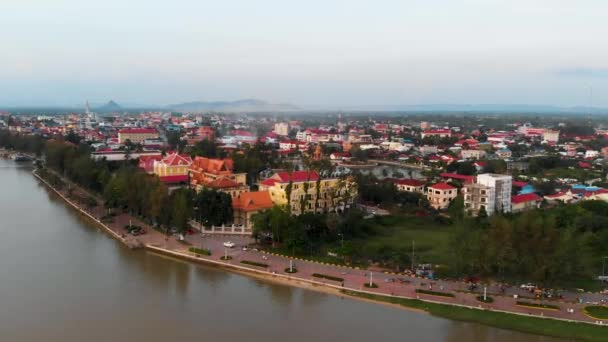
(525, 198)
(410, 182)
(175, 159)
(519, 184)
(252, 201)
(437, 131)
(442, 186)
(138, 131)
(297, 176)
(584, 165)
(466, 179)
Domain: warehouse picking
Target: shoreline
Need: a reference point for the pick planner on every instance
(331, 289)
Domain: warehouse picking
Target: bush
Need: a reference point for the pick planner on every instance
(199, 251)
(328, 277)
(538, 306)
(488, 299)
(291, 270)
(254, 263)
(435, 293)
(223, 257)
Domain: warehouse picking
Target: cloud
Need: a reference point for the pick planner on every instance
(582, 72)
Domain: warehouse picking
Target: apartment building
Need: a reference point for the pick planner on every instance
(502, 190)
(298, 189)
(137, 135)
(477, 197)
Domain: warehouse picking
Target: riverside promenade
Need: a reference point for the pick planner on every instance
(274, 268)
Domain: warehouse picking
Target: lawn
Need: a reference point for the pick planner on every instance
(431, 238)
(532, 325)
(596, 311)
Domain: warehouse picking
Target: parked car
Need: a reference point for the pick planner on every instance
(528, 287)
(229, 244)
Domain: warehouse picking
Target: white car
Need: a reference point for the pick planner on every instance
(229, 244)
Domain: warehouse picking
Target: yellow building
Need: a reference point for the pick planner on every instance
(173, 168)
(441, 194)
(334, 194)
(137, 135)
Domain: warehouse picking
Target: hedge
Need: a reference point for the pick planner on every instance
(435, 293)
(199, 251)
(328, 277)
(253, 263)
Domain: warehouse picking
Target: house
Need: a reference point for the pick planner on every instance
(525, 202)
(246, 204)
(217, 174)
(305, 191)
(173, 168)
(147, 162)
(409, 185)
(458, 177)
(441, 194)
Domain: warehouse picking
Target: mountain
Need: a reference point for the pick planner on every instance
(109, 107)
(239, 106)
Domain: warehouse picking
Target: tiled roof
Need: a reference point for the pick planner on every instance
(442, 186)
(175, 159)
(297, 176)
(249, 201)
(525, 198)
(410, 182)
(466, 179)
(222, 183)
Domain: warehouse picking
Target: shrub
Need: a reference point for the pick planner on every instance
(328, 277)
(435, 293)
(199, 251)
(291, 270)
(253, 263)
(223, 257)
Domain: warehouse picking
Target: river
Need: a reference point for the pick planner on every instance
(61, 279)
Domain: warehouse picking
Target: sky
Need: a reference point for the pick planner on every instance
(328, 53)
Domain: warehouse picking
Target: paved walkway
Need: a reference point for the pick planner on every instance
(354, 279)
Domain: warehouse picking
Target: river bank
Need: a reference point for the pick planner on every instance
(158, 244)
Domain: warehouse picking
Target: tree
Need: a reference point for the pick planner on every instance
(213, 207)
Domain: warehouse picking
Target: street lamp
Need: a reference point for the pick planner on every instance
(604, 266)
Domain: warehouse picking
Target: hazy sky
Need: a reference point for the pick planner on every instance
(330, 52)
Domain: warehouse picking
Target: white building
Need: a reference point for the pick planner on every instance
(502, 189)
(550, 137)
(472, 154)
(477, 197)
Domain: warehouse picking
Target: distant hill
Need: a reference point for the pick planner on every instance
(238, 106)
(109, 107)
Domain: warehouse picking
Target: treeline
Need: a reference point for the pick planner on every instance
(383, 192)
(563, 245)
(124, 187)
(23, 143)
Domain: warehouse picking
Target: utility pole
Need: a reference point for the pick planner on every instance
(371, 278)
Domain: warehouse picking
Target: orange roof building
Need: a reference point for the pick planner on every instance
(247, 204)
(217, 174)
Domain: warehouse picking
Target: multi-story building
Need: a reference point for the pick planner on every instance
(502, 189)
(440, 195)
(442, 133)
(173, 168)
(217, 174)
(299, 191)
(137, 135)
(477, 197)
(281, 128)
(551, 137)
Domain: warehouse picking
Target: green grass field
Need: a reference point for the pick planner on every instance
(431, 238)
(532, 325)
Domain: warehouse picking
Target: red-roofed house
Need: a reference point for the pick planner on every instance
(441, 194)
(147, 163)
(456, 176)
(217, 174)
(247, 204)
(173, 168)
(442, 133)
(525, 202)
